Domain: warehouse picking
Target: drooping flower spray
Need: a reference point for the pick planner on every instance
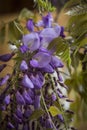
(32, 98)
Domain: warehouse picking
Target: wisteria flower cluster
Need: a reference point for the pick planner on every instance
(32, 98)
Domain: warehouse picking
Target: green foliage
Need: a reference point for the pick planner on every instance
(54, 111)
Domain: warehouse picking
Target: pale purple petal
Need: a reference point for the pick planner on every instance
(27, 97)
(48, 69)
(32, 40)
(20, 99)
(26, 82)
(30, 25)
(19, 113)
(56, 62)
(23, 65)
(23, 48)
(42, 58)
(37, 102)
(7, 100)
(4, 80)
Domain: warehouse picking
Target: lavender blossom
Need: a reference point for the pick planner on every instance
(6, 57)
(7, 100)
(4, 80)
(20, 99)
(26, 82)
(31, 40)
(30, 25)
(23, 65)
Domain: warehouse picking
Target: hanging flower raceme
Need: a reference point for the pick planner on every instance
(33, 97)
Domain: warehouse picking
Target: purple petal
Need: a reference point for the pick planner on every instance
(23, 48)
(7, 100)
(37, 102)
(2, 67)
(48, 69)
(60, 118)
(19, 113)
(40, 23)
(37, 80)
(42, 59)
(10, 125)
(26, 82)
(20, 99)
(6, 57)
(48, 124)
(32, 40)
(56, 62)
(57, 28)
(31, 93)
(53, 97)
(27, 98)
(23, 65)
(47, 35)
(30, 25)
(4, 80)
(62, 32)
(27, 113)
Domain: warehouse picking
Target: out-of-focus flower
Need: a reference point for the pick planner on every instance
(4, 80)
(23, 65)
(23, 48)
(31, 40)
(6, 57)
(7, 99)
(30, 25)
(20, 99)
(26, 82)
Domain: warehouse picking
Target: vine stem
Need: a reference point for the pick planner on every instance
(59, 104)
(47, 111)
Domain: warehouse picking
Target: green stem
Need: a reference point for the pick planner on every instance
(59, 103)
(47, 111)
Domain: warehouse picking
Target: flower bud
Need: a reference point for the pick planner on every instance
(7, 100)
(23, 65)
(6, 57)
(20, 99)
(4, 80)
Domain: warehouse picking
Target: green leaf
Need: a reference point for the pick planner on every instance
(14, 31)
(36, 114)
(54, 111)
(61, 49)
(25, 14)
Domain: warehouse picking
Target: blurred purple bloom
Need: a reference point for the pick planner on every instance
(37, 80)
(2, 67)
(56, 62)
(47, 35)
(53, 97)
(60, 117)
(19, 113)
(10, 125)
(46, 21)
(2, 107)
(48, 124)
(27, 97)
(48, 69)
(37, 102)
(7, 100)
(32, 40)
(40, 60)
(26, 82)
(4, 80)
(31, 93)
(27, 113)
(23, 65)
(6, 57)
(30, 25)
(17, 119)
(20, 99)
(23, 48)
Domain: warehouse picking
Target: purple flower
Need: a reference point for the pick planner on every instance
(19, 113)
(48, 69)
(20, 99)
(7, 100)
(48, 124)
(27, 97)
(47, 35)
(62, 32)
(27, 113)
(31, 93)
(60, 117)
(10, 125)
(40, 60)
(23, 48)
(56, 62)
(2, 67)
(46, 21)
(53, 97)
(32, 40)
(37, 80)
(26, 82)
(4, 80)
(30, 25)
(23, 65)
(37, 102)
(6, 57)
